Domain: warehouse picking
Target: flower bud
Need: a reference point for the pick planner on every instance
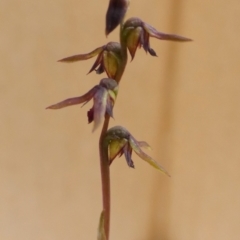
(115, 14)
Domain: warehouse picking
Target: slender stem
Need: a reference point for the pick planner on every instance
(105, 174)
(103, 150)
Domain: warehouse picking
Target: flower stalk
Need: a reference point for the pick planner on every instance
(105, 176)
(104, 161)
(103, 151)
(112, 59)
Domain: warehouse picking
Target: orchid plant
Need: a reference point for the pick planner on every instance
(112, 59)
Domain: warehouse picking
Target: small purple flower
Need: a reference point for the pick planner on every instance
(103, 96)
(108, 59)
(120, 142)
(137, 34)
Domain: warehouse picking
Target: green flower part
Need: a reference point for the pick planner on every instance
(119, 141)
(137, 34)
(108, 59)
(115, 14)
(103, 95)
(101, 232)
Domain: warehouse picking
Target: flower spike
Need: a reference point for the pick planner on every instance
(115, 14)
(137, 34)
(103, 96)
(120, 141)
(108, 59)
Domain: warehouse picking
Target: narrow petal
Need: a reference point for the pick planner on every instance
(146, 44)
(101, 232)
(163, 36)
(128, 155)
(144, 144)
(109, 107)
(99, 107)
(145, 40)
(135, 146)
(97, 62)
(81, 57)
(76, 100)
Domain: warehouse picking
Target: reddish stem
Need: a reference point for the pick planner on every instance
(103, 150)
(105, 174)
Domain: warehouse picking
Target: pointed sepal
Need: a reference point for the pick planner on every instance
(99, 107)
(164, 36)
(80, 57)
(75, 100)
(137, 149)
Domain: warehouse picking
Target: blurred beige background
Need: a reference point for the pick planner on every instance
(185, 104)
